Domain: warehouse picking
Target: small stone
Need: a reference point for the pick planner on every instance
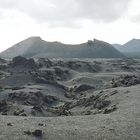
(88, 112)
(40, 124)
(83, 88)
(37, 108)
(126, 92)
(4, 113)
(37, 133)
(114, 92)
(27, 132)
(110, 109)
(23, 114)
(9, 124)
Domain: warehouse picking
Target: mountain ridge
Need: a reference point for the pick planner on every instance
(130, 48)
(37, 47)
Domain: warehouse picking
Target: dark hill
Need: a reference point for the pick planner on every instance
(36, 47)
(130, 49)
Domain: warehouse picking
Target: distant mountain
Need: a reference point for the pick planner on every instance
(36, 47)
(130, 49)
(132, 46)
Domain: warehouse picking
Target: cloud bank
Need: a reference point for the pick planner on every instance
(68, 12)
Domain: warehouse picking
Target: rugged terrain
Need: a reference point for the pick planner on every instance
(69, 99)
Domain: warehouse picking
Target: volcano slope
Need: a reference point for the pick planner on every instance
(69, 99)
(35, 47)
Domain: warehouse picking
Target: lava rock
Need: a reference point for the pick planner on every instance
(37, 108)
(3, 105)
(110, 109)
(27, 132)
(49, 99)
(44, 62)
(37, 133)
(9, 124)
(21, 61)
(83, 88)
(126, 81)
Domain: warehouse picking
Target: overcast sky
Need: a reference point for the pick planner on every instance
(69, 21)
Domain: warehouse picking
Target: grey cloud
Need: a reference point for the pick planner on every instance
(104, 10)
(66, 12)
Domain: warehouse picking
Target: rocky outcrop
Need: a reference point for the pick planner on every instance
(42, 62)
(82, 88)
(125, 80)
(22, 61)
